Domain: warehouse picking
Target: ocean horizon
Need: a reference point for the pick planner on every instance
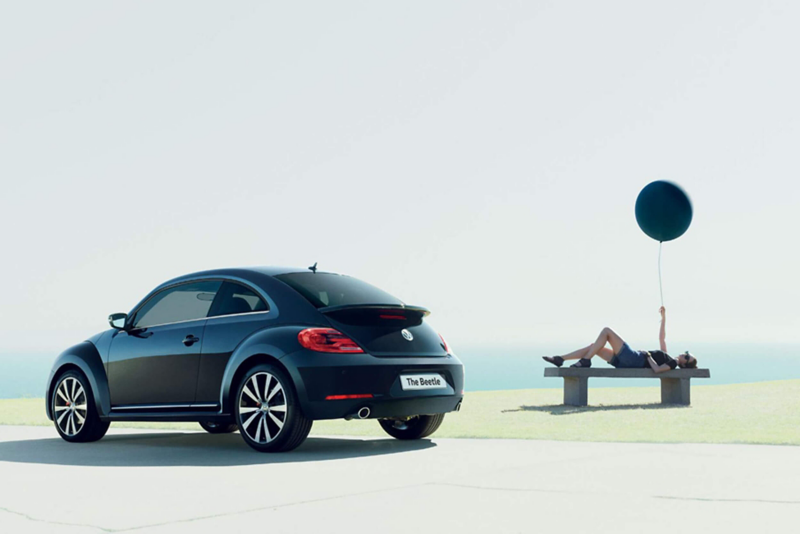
(500, 368)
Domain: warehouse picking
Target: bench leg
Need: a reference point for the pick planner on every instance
(675, 391)
(576, 391)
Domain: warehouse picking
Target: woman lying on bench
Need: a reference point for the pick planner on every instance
(622, 356)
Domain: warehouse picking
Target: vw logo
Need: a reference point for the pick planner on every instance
(407, 335)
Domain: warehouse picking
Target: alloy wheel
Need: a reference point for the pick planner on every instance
(263, 409)
(70, 406)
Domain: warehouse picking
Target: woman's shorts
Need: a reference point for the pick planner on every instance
(627, 358)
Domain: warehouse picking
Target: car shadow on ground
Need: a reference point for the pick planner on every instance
(191, 449)
(562, 409)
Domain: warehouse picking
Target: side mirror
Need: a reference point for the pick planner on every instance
(117, 320)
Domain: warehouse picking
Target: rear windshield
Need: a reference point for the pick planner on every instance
(325, 289)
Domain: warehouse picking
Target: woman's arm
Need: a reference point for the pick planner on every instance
(662, 335)
(655, 367)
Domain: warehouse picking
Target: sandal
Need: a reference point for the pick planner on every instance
(583, 362)
(558, 361)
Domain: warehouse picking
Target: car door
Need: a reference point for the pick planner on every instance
(238, 311)
(156, 360)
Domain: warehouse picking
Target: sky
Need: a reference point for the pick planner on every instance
(481, 159)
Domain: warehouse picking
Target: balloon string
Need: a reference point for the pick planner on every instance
(660, 286)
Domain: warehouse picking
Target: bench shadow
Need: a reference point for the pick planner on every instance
(562, 409)
(192, 449)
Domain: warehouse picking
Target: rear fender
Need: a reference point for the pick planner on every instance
(274, 343)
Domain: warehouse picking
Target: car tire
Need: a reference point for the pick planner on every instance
(417, 427)
(279, 426)
(71, 401)
(218, 428)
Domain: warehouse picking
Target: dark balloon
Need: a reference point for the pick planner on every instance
(663, 211)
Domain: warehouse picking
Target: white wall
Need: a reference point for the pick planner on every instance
(478, 158)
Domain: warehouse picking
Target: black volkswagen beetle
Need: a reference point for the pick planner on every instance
(263, 350)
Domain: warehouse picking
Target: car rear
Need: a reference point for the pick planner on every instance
(370, 351)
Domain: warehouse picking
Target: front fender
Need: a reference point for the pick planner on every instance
(85, 357)
(274, 342)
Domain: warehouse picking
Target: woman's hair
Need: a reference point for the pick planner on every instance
(690, 363)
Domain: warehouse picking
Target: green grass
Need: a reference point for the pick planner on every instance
(763, 412)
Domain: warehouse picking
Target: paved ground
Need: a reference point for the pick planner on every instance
(169, 482)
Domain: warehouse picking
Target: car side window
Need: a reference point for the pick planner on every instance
(234, 299)
(185, 302)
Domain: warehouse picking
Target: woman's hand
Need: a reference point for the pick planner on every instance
(655, 367)
(663, 311)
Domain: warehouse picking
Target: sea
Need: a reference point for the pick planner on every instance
(488, 368)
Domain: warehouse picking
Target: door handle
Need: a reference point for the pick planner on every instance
(190, 340)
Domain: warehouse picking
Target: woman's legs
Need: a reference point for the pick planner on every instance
(606, 336)
(576, 354)
(598, 347)
(606, 354)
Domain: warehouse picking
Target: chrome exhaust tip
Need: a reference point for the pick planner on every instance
(362, 413)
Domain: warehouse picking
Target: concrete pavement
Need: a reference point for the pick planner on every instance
(175, 482)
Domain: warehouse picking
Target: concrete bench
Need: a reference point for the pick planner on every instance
(674, 384)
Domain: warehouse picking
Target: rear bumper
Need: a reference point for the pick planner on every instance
(380, 408)
(317, 376)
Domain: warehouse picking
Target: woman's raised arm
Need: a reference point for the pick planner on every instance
(662, 335)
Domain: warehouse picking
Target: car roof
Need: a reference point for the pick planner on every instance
(251, 274)
(294, 305)
(275, 270)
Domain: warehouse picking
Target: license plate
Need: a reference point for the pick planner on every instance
(409, 382)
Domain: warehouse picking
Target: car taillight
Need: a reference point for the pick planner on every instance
(445, 345)
(327, 340)
(347, 397)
